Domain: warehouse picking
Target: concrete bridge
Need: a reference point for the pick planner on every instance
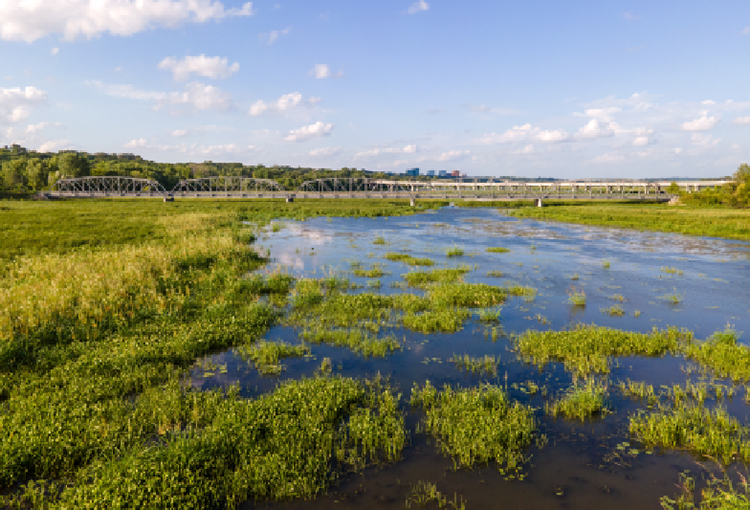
(335, 188)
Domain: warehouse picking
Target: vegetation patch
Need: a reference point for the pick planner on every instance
(455, 252)
(722, 354)
(497, 249)
(358, 340)
(424, 278)
(581, 401)
(266, 355)
(486, 365)
(477, 425)
(587, 348)
(408, 259)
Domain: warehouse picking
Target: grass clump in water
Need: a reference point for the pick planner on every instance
(496, 274)
(408, 259)
(470, 295)
(613, 311)
(266, 355)
(577, 298)
(672, 270)
(692, 426)
(675, 299)
(722, 354)
(486, 365)
(477, 425)
(497, 249)
(587, 348)
(446, 320)
(380, 240)
(718, 494)
(581, 401)
(424, 278)
(357, 340)
(423, 493)
(455, 252)
(375, 271)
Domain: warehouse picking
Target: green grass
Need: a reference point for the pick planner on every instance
(613, 311)
(357, 340)
(375, 271)
(672, 270)
(424, 278)
(580, 402)
(718, 494)
(486, 365)
(380, 240)
(266, 355)
(577, 298)
(408, 259)
(454, 252)
(497, 249)
(423, 493)
(675, 299)
(722, 354)
(445, 320)
(697, 221)
(477, 425)
(587, 348)
(496, 274)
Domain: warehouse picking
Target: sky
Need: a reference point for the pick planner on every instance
(573, 89)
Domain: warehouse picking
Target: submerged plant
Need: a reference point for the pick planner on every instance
(266, 355)
(486, 365)
(577, 297)
(675, 299)
(380, 240)
(613, 311)
(423, 493)
(497, 249)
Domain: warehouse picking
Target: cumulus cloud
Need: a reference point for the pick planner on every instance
(201, 65)
(453, 155)
(742, 120)
(526, 133)
(701, 140)
(640, 141)
(325, 151)
(284, 104)
(703, 123)
(54, 51)
(55, 145)
(273, 36)
(16, 103)
(529, 149)
(322, 71)
(316, 130)
(196, 95)
(419, 6)
(408, 149)
(594, 130)
(192, 149)
(29, 20)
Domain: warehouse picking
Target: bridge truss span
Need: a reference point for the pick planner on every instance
(229, 187)
(107, 186)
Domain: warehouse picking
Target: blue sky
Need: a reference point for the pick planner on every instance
(538, 88)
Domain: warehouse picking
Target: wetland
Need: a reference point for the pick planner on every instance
(454, 358)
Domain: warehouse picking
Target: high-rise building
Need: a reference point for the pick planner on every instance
(431, 173)
(413, 172)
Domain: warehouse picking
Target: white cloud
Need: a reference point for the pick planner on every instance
(742, 120)
(321, 71)
(526, 133)
(529, 149)
(29, 20)
(201, 65)
(33, 129)
(284, 104)
(308, 132)
(325, 151)
(54, 51)
(453, 155)
(16, 103)
(703, 123)
(273, 36)
(419, 6)
(196, 95)
(55, 145)
(701, 140)
(640, 141)
(408, 149)
(677, 150)
(135, 144)
(179, 133)
(594, 130)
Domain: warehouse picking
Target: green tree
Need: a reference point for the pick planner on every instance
(72, 164)
(14, 174)
(36, 174)
(673, 189)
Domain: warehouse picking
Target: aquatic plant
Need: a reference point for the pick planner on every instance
(719, 493)
(606, 264)
(580, 401)
(357, 340)
(422, 493)
(424, 278)
(408, 259)
(675, 299)
(586, 348)
(496, 274)
(455, 252)
(472, 295)
(722, 354)
(486, 365)
(613, 311)
(489, 316)
(497, 249)
(444, 320)
(672, 270)
(266, 355)
(380, 240)
(617, 297)
(476, 425)
(577, 297)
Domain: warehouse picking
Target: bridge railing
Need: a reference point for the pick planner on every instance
(228, 186)
(98, 186)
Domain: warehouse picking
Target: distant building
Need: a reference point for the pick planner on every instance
(442, 173)
(412, 172)
(455, 173)
(430, 173)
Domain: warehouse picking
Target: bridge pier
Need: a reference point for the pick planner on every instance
(169, 199)
(289, 199)
(538, 202)
(413, 202)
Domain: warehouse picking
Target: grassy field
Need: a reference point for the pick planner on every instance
(696, 221)
(105, 307)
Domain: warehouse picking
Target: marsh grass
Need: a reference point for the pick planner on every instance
(489, 316)
(613, 311)
(408, 259)
(722, 354)
(674, 299)
(587, 349)
(581, 401)
(672, 270)
(380, 241)
(425, 493)
(455, 252)
(425, 278)
(617, 297)
(577, 297)
(375, 271)
(486, 365)
(496, 274)
(266, 355)
(606, 264)
(691, 426)
(497, 249)
(445, 320)
(719, 493)
(357, 340)
(477, 425)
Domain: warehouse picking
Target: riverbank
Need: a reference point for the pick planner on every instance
(695, 221)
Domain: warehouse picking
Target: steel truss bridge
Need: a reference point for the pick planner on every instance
(335, 188)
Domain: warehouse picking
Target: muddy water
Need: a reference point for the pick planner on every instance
(581, 466)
